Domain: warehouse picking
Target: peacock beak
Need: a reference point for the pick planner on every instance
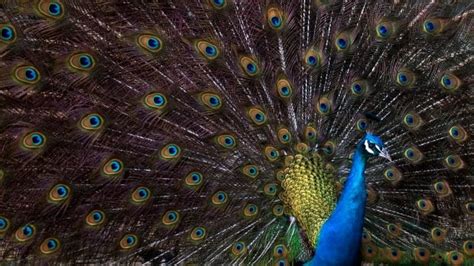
(384, 154)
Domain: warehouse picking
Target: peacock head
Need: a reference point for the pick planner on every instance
(372, 145)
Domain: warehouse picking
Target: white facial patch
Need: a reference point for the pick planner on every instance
(367, 148)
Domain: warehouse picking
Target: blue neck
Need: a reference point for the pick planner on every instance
(340, 236)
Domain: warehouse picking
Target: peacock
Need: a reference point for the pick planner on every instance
(237, 132)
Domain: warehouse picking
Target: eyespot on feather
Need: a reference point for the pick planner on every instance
(4, 225)
(250, 210)
(421, 255)
(449, 82)
(469, 207)
(438, 235)
(442, 189)
(59, 193)
(359, 87)
(455, 258)
(277, 210)
(210, 101)
(198, 233)
(95, 218)
(51, 9)
(343, 41)
(219, 4)
(257, 116)
(324, 105)
(412, 121)
(393, 254)
(7, 33)
(92, 122)
(284, 135)
(207, 50)
(170, 152)
(150, 43)
(194, 179)
(310, 133)
(50, 246)
(385, 29)
(361, 125)
(329, 148)
(453, 162)
(284, 89)
(155, 101)
(82, 62)
(369, 251)
(458, 134)
(425, 206)
(140, 195)
(33, 140)
(313, 58)
(170, 218)
(250, 170)
(250, 66)
(219, 198)
(393, 175)
(280, 250)
(433, 26)
(27, 74)
(226, 141)
(271, 153)
(113, 168)
(468, 248)
(238, 248)
(128, 241)
(25, 233)
(413, 155)
(275, 18)
(405, 78)
(270, 189)
(393, 230)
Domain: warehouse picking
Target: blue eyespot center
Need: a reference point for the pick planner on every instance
(3, 223)
(273, 154)
(252, 171)
(27, 230)
(7, 33)
(199, 232)
(259, 117)
(362, 124)
(172, 150)
(455, 132)
(37, 139)
(410, 153)
(341, 43)
(286, 137)
(97, 216)
(429, 26)
(130, 240)
(323, 107)
(285, 91)
(276, 21)
(85, 61)
(312, 60)
(357, 88)
(62, 191)
(195, 177)
(229, 141)
(383, 31)
(172, 216)
(31, 74)
(214, 101)
(153, 43)
(446, 81)
(402, 78)
(143, 193)
(219, 2)
(54, 9)
(409, 119)
(158, 100)
(211, 51)
(251, 68)
(52, 244)
(115, 166)
(238, 246)
(252, 209)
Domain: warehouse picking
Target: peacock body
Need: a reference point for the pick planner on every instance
(236, 132)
